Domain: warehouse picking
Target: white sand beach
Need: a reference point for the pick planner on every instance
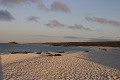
(97, 64)
(9, 58)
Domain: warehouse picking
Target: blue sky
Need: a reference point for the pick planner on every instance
(28, 21)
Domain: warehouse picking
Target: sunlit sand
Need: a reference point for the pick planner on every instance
(69, 66)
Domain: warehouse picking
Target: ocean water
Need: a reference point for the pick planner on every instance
(37, 48)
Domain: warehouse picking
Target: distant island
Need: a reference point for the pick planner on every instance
(13, 42)
(104, 44)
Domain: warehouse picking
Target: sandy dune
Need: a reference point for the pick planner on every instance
(74, 66)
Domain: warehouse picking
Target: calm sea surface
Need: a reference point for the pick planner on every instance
(37, 48)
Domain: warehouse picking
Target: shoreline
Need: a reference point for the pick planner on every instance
(95, 64)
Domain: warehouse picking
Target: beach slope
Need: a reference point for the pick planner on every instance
(69, 66)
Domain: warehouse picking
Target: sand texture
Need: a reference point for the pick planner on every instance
(9, 58)
(72, 66)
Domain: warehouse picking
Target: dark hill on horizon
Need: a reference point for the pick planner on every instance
(104, 44)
